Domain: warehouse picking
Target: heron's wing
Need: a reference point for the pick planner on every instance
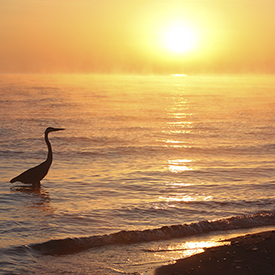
(33, 175)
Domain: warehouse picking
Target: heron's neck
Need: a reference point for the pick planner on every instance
(50, 153)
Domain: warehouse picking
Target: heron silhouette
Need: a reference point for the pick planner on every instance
(36, 174)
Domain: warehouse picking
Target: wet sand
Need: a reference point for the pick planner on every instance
(252, 254)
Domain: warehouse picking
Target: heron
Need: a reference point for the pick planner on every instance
(36, 174)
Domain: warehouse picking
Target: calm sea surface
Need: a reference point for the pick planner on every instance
(148, 168)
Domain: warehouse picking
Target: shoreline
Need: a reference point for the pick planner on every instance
(248, 254)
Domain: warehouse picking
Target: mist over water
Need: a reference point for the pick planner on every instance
(139, 153)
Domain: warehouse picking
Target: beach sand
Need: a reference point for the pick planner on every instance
(252, 254)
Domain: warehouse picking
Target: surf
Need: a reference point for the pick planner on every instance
(129, 237)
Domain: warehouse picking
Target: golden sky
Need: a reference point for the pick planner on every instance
(137, 36)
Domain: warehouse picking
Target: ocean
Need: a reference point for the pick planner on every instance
(150, 168)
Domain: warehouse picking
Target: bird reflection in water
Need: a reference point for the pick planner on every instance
(38, 197)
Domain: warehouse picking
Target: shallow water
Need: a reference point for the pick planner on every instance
(138, 153)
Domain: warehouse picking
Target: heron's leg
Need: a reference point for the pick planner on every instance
(36, 186)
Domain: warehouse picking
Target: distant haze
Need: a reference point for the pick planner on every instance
(89, 36)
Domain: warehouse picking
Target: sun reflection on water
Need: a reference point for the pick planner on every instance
(186, 249)
(178, 184)
(190, 248)
(179, 122)
(179, 191)
(175, 143)
(181, 115)
(183, 197)
(179, 165)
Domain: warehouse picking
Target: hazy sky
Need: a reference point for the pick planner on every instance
(154, 36)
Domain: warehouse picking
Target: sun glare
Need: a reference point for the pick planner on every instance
(179, 39)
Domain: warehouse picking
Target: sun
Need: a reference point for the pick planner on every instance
(179, 39)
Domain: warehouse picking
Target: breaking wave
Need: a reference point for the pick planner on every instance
(73, 245)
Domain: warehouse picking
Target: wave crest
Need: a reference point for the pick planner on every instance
(73, 245)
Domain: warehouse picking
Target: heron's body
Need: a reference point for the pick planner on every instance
(36, 174)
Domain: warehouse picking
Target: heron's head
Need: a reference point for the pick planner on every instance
(51, 129)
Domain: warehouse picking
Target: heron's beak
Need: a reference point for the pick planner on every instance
(58, 129)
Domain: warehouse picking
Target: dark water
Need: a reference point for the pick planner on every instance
(143, 160)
